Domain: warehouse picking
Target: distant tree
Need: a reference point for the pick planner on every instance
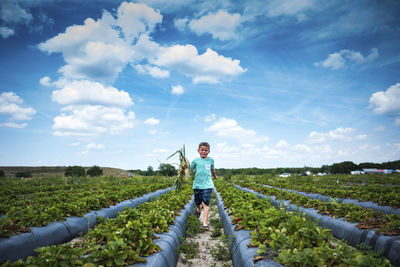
(2, 174)
(75, 171)
(94, 171)
(167, 169)
(343, 167)
(391, 165)
(23, 174)
(150, 171)
(326, 168)
(367, 165)
(385, 165)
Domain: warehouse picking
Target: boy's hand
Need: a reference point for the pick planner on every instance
(186, 165)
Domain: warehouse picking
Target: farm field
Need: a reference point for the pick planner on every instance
(283, 236)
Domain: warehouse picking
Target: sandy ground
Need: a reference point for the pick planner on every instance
(206, 243)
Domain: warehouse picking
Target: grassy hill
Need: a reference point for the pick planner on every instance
(40, 171)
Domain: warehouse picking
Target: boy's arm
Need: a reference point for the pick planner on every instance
(214, 174)
(191, 166)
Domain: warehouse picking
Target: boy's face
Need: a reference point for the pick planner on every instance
(203, 151)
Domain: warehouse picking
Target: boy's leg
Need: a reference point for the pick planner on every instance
(206, 210)
(198, 201)
(206, 203)
(198, 210)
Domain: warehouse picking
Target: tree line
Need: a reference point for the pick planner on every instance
(344, 167)
(166, 169)
(80, 171)
(69, 171)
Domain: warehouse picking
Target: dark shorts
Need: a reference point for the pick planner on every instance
(202, 195)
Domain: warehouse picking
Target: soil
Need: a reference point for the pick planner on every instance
(15, 229)
(206, 243)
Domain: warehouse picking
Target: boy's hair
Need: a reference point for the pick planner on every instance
(204, 144)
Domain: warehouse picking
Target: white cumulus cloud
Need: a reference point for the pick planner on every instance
(14, 125)
(177, 89)
(341, 133)
(347, 58)
(6, 32)
(10, 106)
(94, 50)
(152, 121)
(94, 146)
(229, 128)
(387, 102)
(220, 25)
(225, 127)
(11, 12)
(94, 93)
(282, 144)
(91, 109)
(45, 81)
(153, 71)
(209, 67)
(180, 24)
(92, 120)
(135, 19)
(100, 49)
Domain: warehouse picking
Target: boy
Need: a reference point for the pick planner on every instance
(203, 184)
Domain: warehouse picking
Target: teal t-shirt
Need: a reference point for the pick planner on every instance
(203, 177)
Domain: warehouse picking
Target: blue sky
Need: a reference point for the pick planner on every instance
(278, 83)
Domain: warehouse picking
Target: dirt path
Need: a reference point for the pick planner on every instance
(210, 248)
